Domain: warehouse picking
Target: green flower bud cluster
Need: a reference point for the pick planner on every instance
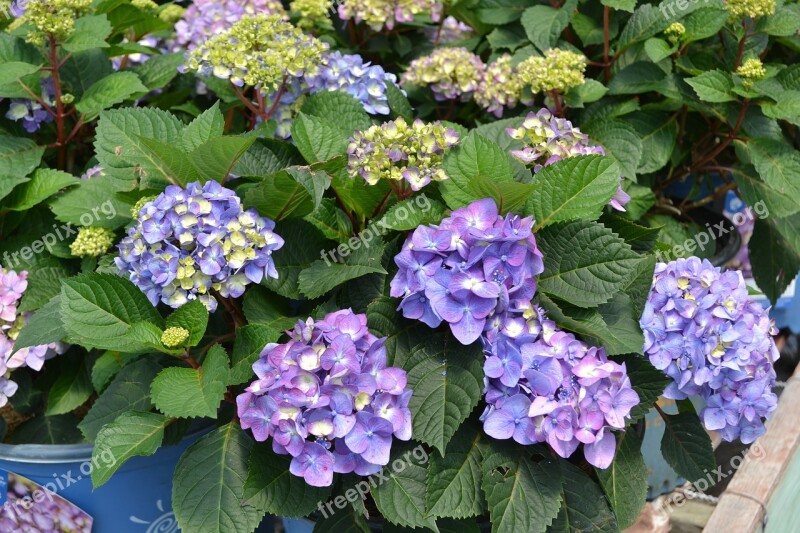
(398, 151)
(450, 73)
(171, 13)
(675, 31)
(311, 13)
(51, 17)
(174, 337)
(500, 87)
(92, 242)
(738, 9)
(559, 70)
(751, 71)
(145, 5)
(140, 203)
(258, 51)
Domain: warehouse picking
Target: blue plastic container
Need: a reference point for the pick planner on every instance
(297, 525)
(137, 498)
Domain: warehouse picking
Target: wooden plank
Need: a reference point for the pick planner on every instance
(757, 480)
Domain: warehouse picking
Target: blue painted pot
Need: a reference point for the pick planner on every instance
(137, 498)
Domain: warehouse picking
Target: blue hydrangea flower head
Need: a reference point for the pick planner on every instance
(328, 399)
(703, 330)
(190, 241)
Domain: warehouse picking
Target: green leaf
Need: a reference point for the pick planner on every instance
(174, 165)
(192, 317)
(588, 91)
(260, 306)
(292, 192)
(324, 275)
(338, 108)
(109, 91)
(318, 139)
(510, 37)
(704, 23)
(621, 140)
(44, 183)
(129, 391)
(398, 102)
(270, 487)
(107, 365)
(638, 77)
(620, 5)
(71, 388)
(774, 262)
(96, 200)
(90, 32)
(216, 157)
(44, 282)
(574, 188)
(400, 497)
(342, 520)
(208, 486)
(209, 125)
(713, 86)
(475, 158)
(18, 155)
(330, 220)
(777, 163)
(447, 379)
(645, 22)
(648, 382)
(522, 495)
(13, 71)
(134, 433)
(585, 264)
(99, 309)
(44, 327)
(408, 214)
(784, 22)
(454, 481)
(250, 341)
(544, 24)
(402, 335)
(189, 392)
(659, 133)
(754, 190)
(159, 70)
(686, 446)
(267, 156)
(625, 481)
(8, 183)
(58, 429)
(121, 152)
(658, 49)
(583, 505)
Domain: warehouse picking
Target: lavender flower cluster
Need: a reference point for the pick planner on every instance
(30, 112)
(544, 385)
(702, 330)
(473, 266)
(12, 287)
(206, 18)
(188, 242)
(548, 139)
(328, 399)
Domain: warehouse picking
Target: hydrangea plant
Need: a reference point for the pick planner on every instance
(457, 297)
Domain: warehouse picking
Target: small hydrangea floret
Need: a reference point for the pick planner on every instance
(470, 270)
(703, 330)
(328, 399)
(188, 242)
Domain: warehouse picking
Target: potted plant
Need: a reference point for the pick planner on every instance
(367, 298)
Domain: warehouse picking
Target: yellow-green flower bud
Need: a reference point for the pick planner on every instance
(751, 71)
(145, 5)
(52, 17)
(140, 203)
(675, 31)
(171, 13)
(559, 70)
(311, 13)
(67, 98)
(174, 337)
(92, 242)
(738, 9)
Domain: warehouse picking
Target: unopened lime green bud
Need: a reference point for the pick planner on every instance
(738, 9)
(675, 31)
(67, 98)
(171, 13)
(140, 203)
(92, 242)
(52, 17)
(559, 70)
(311, 13)
(174, 337)
(751, 71)
(145, 5)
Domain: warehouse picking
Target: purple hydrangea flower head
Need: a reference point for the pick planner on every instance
(500, 88)
(450, 30)
(548, 138)
(328, 399)
(450, 72)
(545, 385)
(30, 112)
(188, 242)
(468, 270)
(378, 14)
(351, 74)
(12, 287)
(703, 331)
(95, 171)
(205, 18)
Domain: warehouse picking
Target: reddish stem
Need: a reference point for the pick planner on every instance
(61, 138)
(277, 101)
(606, 43)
